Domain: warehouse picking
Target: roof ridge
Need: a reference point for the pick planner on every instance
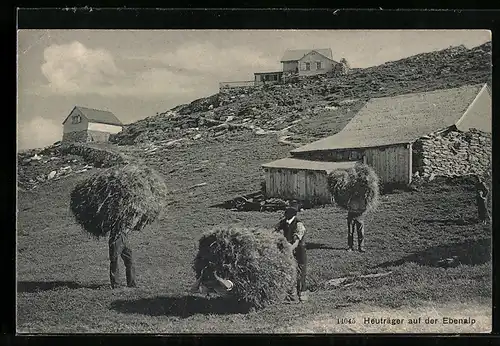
(94, 109)
(292, 54)
(476, 85)
(99, 115)
(446, 107)
(306, 49)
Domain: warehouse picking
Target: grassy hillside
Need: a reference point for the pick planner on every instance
(63, 283)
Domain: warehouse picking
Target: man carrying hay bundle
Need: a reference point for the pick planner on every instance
(357, 191)
(253, 265)
(482, 201)
(294, 232)
(117, 201)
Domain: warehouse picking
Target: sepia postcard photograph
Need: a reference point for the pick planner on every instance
(254, 181)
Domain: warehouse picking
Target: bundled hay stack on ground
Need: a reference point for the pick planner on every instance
(356, 189)
(259, 264)
(120, 198)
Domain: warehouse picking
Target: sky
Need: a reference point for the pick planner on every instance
(136, 74)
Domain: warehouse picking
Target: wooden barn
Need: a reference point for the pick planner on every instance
(381, 135)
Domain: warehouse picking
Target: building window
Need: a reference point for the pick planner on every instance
(307, 66)
(318, 65)
(76, 119)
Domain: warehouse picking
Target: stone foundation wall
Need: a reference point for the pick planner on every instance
(85, 136)
(453, 154)
(75, 137)
(237, 89)
(97, 136)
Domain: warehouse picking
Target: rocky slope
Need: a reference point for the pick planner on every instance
(310, 107)
(37, 167)
(294, 113)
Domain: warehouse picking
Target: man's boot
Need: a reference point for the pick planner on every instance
(113, 273)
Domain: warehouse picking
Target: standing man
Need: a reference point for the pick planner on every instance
(294, 231)
(119, 247)
(482, 201)
(355, 221)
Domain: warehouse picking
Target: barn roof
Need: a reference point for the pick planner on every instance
(291, 163)
(400, 119)
(297, 54)
(98, 116)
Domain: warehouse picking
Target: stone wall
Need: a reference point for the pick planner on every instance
(97, 156)
(85, 136)
(75, 137)
(228, 89)
(452, 154)
(97, 136)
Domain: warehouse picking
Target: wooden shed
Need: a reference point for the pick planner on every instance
(382, 134)
(305, 180)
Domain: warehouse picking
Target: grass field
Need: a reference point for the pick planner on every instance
(63, 283)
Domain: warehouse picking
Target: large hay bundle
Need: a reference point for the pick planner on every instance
(258, 262)
(120, 198)
(355, 189)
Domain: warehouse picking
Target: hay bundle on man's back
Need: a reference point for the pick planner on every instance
(355, 189)
(258, 263)
(119, 199)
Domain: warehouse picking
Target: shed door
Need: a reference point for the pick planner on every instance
(392, 164)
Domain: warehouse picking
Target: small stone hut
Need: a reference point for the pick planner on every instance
(90, 125)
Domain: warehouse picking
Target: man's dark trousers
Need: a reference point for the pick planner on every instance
(118, 246)
(354, 222)
(482, 209)
(300, 256)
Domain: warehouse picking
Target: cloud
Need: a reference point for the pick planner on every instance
(75, 69)
(206, 58)
(38, 132)
(192, 69)
(161, 80)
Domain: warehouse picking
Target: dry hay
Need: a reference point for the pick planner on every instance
(120, 198)
(355, 189)
(258, 262)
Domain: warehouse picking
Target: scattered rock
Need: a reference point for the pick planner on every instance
(336, 282)
(51, 175)
(197, 185)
